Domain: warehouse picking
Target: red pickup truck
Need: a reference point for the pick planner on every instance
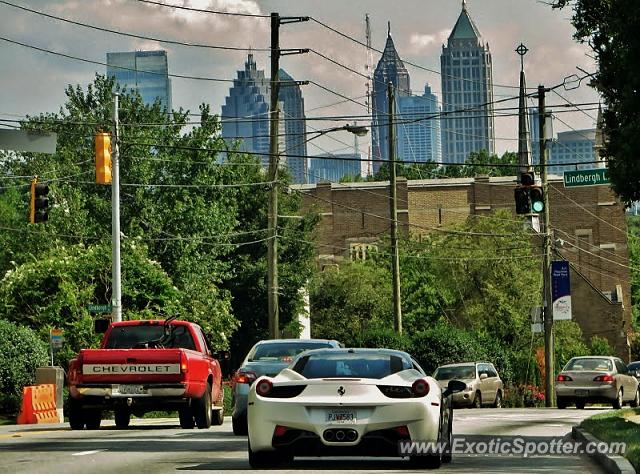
(145, 366)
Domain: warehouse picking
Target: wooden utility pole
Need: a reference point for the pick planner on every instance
(395, 255)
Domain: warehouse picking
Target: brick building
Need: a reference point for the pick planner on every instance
(589, 225)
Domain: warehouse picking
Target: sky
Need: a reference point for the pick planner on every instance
(34, 81)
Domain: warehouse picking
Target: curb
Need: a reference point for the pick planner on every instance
(614, 464)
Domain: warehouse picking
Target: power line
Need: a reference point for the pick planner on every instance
(200, 10)
(130, 35)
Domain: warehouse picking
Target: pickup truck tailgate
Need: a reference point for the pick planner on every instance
(131, 365)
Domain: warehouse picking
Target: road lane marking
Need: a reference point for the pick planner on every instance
(87, 453)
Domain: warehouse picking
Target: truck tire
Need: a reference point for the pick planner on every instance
(239, 425)
(218, 417)
(122, 417)
(92, 419)
(202, 409)
(76, 414)
(186, 418)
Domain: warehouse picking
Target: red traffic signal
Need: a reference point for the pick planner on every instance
(528, 178)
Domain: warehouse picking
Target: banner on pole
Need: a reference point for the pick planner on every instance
(561, 290)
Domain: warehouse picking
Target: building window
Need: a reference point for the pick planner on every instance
(360, 251)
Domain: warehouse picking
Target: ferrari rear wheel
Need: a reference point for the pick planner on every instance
(447, 454)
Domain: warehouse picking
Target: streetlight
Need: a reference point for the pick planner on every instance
(272, 224)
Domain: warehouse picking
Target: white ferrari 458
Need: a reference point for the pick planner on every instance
(350, 402)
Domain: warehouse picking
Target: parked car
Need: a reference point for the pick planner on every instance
(596, 379)
(349, 402)
(268, 358)
(484, 386)
(634, 369)
(144, 366)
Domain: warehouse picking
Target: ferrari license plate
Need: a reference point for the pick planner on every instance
(341, 417)
(582, 393)
(129, 390)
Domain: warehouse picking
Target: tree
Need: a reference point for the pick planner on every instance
(610, 29)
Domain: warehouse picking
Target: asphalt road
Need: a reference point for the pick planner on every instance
(159, 446)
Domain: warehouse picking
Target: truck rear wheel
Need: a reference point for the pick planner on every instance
(122, 417)
(202, 409)
(93, 418)
(76, 415)
(218, 417)
(186, 418)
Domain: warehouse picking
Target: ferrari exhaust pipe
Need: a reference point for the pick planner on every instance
(329, 435)
(340, 435)
(352, 435)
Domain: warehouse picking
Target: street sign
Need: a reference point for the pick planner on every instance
(595, 177)
(57, 338)
(21, 140)
(561, 290)
(99, 308)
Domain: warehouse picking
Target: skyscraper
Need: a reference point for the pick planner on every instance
(295, 126)
(325, 168)
(390, 68)
(467, 84)
(248, 102)
(418, 137)
(144, 71)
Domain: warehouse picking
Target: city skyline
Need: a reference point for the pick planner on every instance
(419, 38)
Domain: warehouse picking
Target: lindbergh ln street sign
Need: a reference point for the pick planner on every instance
(595, 177)
(99, 308)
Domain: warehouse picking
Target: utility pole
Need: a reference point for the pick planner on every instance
(272, 217)
(116, 297)
(395, 256)
(547, 303)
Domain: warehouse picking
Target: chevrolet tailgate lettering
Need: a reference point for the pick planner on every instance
(111, 369)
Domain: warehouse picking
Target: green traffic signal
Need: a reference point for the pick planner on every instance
(537, 199)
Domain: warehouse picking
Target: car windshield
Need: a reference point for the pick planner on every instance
(634, 366)
(459, 372)
(347, 365)
(591, 364)
(282, 351)
(128, 337)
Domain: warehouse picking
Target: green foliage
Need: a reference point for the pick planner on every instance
(610, 29)
(446, 344)
(600, 346)
(568, 342)
(386, 337)
(350, 301)
(633, 243)
(22, 352)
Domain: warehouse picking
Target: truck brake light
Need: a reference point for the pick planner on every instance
(184, 366)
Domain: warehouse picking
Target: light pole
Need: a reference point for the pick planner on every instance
(272, 258)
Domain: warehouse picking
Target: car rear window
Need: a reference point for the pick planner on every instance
(341, 365)
(282, 351)
(591, 364)
(460, 372)
(131, 337)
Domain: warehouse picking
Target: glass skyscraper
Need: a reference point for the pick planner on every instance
(295, 126)
(144, 71)
(322, 168)
(245, 113)
(467, 84)
(418, 135)
(390, 68)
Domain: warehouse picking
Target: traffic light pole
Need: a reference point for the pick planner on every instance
(116, 295)
(395, 257)
(547, 303)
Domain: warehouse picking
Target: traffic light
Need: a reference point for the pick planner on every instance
(529, 197)
(103, 158)
(39, 206)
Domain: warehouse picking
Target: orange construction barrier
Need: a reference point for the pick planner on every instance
(38, 405)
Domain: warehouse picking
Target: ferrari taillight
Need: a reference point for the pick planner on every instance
(420, 388)
(264, 387)
(279, 431)
(403, 431)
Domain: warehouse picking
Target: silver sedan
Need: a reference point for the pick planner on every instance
(596, 379)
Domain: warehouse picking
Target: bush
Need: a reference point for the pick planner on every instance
(445, 344)
(22, 352)
(386, 338)
(600, 346)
